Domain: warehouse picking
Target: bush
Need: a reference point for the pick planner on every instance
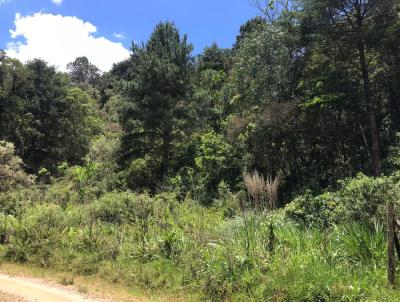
(361, 199)
(310, 210)
(11, 203)
(38, 235)
(221, 252)
(12, 174)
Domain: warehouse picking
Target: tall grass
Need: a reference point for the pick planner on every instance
(263, 193)
(161, 244)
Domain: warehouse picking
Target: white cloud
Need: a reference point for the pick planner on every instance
(60, 39)
(4, 1)
(57, 2)
(120, 36)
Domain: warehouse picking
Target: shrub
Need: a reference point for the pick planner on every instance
(230, 202)
(141, 173)
(11, 168)
(361, 199)
(310, 210)
(38, 235)
(215, 162)
(161, 243)
(11, 203)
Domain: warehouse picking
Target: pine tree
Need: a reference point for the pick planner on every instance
(157, 112)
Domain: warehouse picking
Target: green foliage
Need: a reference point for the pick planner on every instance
(141, 173)
(310, 96)
(83, 72)
(119, 208)
(313, 210)
(360, 199)
(214, 162)
(364, 198)
(160, 243)
(214, 58)
(156, 116)
(208, 96)
(248, 28)
(48, 121)
(262, 67)
(12, 173)
(36, 235)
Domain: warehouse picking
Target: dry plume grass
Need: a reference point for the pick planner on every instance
(263, 193)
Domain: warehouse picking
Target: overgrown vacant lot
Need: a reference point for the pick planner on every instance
(312, 250)
(264, 171)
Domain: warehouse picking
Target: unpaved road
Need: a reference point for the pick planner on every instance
(36, 291)
(4, 297)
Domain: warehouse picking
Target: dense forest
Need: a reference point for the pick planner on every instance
(255, 173)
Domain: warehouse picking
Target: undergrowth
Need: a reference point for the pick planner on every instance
(160, 243)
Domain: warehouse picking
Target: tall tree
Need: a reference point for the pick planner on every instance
(353, 28)
(156, 116)
(251, 26)
(262, 69)
(48, 121)
(261, 99)
(215, 58)
(213, 66)
(83, 72)
(13, 89)
(275, 9)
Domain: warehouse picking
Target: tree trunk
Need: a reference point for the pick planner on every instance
(376, 163)
(373, 126)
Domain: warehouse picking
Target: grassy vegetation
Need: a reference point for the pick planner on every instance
(94, 286)
(218, 253)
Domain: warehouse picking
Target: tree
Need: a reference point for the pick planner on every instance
(262, 68)
(121, 69)
(353, 27)
(48, 121)
(388, 76)
(216, 161)
(356, 29)
(213, 66)
(291, 105)
(251, 26)
(209, 100)
(156, 117)
(13, 86)
(215, 58)
(12, 173)
(77, 124)
(49, 106)
(83, 72)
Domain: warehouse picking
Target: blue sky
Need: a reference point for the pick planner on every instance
(41, 29)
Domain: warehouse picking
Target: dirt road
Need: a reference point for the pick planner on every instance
(4, 297)
(36, 291)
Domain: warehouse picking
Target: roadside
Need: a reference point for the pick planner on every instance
(89, 286)
(38, 290)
